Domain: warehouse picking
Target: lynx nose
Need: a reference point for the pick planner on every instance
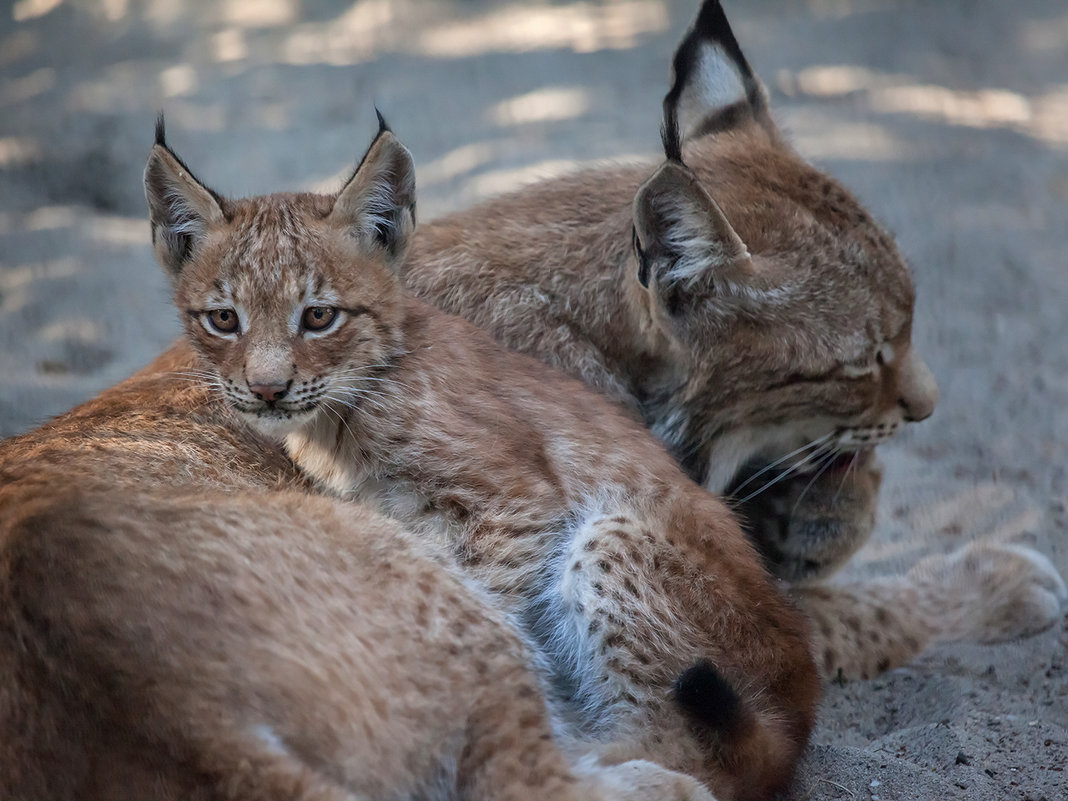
(917, 387)
(270, 392)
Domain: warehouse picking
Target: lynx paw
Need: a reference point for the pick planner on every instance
(640, 780)
(997, 592)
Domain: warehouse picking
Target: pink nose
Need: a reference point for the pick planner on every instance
(269, 392)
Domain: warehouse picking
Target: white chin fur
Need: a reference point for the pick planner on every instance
(276, 427)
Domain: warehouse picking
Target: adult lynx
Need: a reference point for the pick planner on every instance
(754, 315)
(763, 314)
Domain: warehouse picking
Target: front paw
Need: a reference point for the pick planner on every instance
(991, 592)
(641, 780)
(807, 526)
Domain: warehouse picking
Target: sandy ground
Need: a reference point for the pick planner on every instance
(949, 119)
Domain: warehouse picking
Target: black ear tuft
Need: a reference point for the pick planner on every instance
(161, 131)
(669, 135)
(383, 126)
(703, 692)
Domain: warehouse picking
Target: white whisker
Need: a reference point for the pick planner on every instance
(794, 468)
(828, 460)
(852, 463)
(341, 420)
(819, 441)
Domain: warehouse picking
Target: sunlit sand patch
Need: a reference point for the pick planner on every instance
(360, 34)
(542, 105)
(122, 231)
(30, 9)
(496, 182)
(18, 150)
(181, 79)
(985, 108)
(581, 27)
(850, 141)
(258, 13)
(1043, 117)
(229, 45)
(456, 162)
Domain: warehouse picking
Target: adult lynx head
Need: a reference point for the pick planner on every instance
(281, 293)
(789, 315)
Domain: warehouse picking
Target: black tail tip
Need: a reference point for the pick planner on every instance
(703, 692)
(161, 130)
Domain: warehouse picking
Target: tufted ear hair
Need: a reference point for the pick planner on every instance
(683, 241)
(377, 204)
(713, 88)
(180, 208)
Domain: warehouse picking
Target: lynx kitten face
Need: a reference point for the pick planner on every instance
(291, 299)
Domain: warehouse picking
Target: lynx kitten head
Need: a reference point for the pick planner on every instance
(292, 300)
(791, 321)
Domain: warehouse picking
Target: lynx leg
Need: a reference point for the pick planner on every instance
(511, 755)
(979, 593)
(641, 780)
(253, 766)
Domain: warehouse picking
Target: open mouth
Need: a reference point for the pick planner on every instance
(843, 461)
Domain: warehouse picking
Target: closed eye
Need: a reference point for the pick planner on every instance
(858, 370)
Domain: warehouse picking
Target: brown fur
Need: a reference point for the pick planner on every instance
(550, 271)
(762, 309)
(623, 571)
(145, 428)
(176, 624)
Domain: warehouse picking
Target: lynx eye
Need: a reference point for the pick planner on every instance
(223, 321)
(318, 318)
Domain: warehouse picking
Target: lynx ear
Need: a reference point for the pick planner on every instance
(712, 84)
(682, 240)
(377, 204)
(180, 208)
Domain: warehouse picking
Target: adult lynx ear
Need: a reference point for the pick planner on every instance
(377, 204)
(712, 84)
(180, 208)
(683, 241)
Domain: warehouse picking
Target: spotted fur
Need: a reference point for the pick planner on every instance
(749, 310)
(181, 618)
(519, 471)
